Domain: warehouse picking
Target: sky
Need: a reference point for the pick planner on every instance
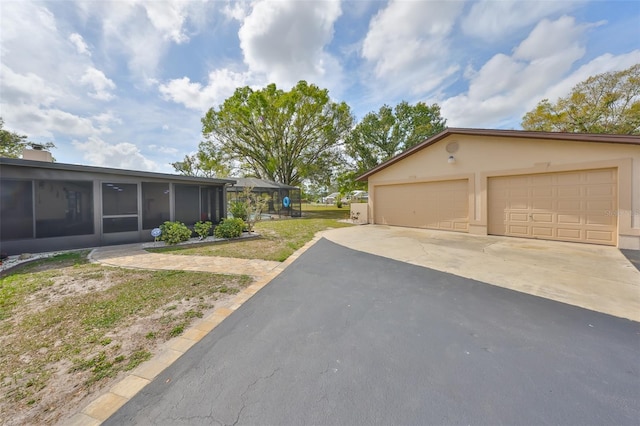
(125, 83)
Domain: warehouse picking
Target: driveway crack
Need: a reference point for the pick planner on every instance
(246, 391)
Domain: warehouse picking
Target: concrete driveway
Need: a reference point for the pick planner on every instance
(594, 277)
(347, 337)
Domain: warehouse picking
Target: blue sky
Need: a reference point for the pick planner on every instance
(124, 83)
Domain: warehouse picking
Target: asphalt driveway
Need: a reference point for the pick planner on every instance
(346, 337)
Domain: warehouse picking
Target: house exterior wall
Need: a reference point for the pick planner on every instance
(478, 158)
(96, 179)
(360, 212)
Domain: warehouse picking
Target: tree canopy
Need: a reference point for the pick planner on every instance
(282, 136)
(604, 103)
(12, 144)
(386, 133)
(205, 165)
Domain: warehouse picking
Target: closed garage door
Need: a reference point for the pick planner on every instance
(573, 206)
(432, 205)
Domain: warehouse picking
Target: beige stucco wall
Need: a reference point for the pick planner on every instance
(360, 213)
(481, 157)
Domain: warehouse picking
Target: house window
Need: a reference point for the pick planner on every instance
(188, 204)
(16, 209)
(155, 204)
(63, 208)
(119, 207)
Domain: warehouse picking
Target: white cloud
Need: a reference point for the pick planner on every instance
(42, 93)
(144, 30)
(168, 18)
(599, 65)
(408, 45)
(491, 19)
(99, 82)
(79, 44)
(123, 155)
(103, 120)
(286, 40)
(406, 35)
(163, 149)
(26, 88)
(237, 10)
(35, 121)
(222, 83)
(505, 85)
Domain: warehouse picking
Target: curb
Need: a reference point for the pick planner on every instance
(106, 404)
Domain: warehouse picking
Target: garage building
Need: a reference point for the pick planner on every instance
(554, 186)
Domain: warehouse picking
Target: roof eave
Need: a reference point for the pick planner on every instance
(576, 137)
(107, 170)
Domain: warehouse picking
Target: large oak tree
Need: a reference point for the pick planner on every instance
(604, 103)
(282, 136)
(386, 133)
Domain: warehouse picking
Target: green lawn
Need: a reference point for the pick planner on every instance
(279, 238)
(321, 211)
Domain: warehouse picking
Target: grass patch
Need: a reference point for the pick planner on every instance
(321, 211)
(81, 330)
(137, 358)
(279, 238)
(21, 281)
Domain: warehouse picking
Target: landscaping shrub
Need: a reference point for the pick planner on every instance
(174, 232)
(203, 229)
(229, 228)
(239, 210)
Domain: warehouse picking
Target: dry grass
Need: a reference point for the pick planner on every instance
(68, 326)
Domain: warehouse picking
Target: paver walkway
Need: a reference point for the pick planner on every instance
(134, 256)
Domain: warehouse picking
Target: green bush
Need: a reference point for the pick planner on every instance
(202, 229)
(174, 232)
(239, 210)
(229, 228)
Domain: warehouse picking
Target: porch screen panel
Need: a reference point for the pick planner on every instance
(155, 204)
(119, 207)
(16, 209)
(63, 208)
(210, 203)
(187, 204)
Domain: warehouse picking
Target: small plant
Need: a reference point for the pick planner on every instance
(339, 204)
(203, 229)
(193, 314)
(174, 232)
(229, 228)
(177, 330)
(238, 210)
(137, 358)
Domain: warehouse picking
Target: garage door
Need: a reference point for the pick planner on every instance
(574, 206)
(432, 205)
